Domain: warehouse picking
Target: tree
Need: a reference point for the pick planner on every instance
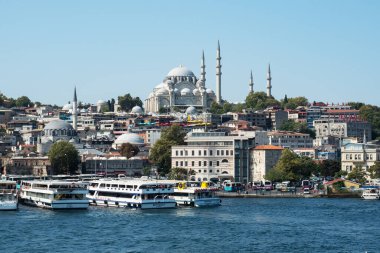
(260, 100)
(23, 101)
(216, 108)
(328, 168)
(374, 170)
(64, 158)
(357, 175)
(129, 150)
(127, 102)
(177, 173)
(160, 153)
(291, 167)
(299, 127)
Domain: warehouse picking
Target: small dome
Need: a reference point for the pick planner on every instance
(67, 107)
(58, 125)
(180, 71)
(137, 110)
(209, 91)
(162, 91)
(131, 138)
(200, 83)
(185, 91)
(191, 110)
(100, 102)
(159, 86)
(196, 92)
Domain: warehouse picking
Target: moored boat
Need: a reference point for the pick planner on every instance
(198, 194)
(144, 194)
(371, 194)
(54, 194)
(8, 195)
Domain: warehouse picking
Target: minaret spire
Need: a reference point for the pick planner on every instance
(218, 76)
(74, 112)
(269, 82)
(251, 83)
(203, 68)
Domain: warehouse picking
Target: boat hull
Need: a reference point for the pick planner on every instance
(56, 205)
(371, 197)
(207, 202)
(9, 205)
(131, 204)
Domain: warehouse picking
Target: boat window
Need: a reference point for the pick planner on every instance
(102, 185)
(114, 186)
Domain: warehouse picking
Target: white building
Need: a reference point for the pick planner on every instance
(290, 139)
(359, 155)
(215, 156)
(264, 158)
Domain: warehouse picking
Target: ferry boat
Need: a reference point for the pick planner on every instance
(8, 195)
(198, 194)
(144, 194)
(371, 194)
(54, 194)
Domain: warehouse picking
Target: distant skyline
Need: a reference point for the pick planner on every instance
(324, 50)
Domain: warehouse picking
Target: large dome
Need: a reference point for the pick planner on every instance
(131, 138)
(58, 125)
(181, 71)
(191, 110)
(67, 107)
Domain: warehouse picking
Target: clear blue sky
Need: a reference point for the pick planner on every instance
(324, 50)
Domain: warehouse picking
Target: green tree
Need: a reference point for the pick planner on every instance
(64, 158)
(127, 102)
(374, 170)
(216, 108)
(160, 153)
(23, 101)
(177, 173)
(328, 168)
(129, 150)
(260, 100)
(357, 175)
(299, 127)
(291, 167)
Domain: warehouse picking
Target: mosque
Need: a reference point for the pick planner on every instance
(181, 89)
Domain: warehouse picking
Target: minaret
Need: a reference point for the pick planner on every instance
(218, 76)
(203, 68)
(251, 83)
(269, 85)
(74, 112)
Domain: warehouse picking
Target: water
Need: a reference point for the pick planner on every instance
(239, 225)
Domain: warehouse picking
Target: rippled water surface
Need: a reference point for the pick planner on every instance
(239, 225)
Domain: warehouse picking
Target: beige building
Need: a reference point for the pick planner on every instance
(264, 158)
(359, 155)
(291, 140)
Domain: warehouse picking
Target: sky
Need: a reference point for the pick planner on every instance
(321, 49)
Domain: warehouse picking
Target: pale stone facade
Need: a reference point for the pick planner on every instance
(264, 158)
(359, 155)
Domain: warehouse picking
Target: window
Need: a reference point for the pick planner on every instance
(199, 163)
(199, 152)
(176, 153)
(231, 152)
(199, 171)
(204, 163)
(192, 152)
(181, 163)
(204, 152)
(176, 163)
(210, 163)
(222, 152)
(192, 163)
(210, 171)
(217, 171)
(226, 152)
(181, 153)
(186, 153)
(185, 163)
(217, 163)
(210, 152)
(217, 152)
(204, 171)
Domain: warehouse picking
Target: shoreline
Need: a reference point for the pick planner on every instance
(284, 195)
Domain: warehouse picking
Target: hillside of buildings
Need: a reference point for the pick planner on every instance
(243, 142)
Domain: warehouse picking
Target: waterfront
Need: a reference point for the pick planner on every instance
(239, 225)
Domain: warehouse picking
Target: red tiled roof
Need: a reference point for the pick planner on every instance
(268, 147)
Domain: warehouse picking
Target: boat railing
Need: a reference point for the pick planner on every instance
(8, 191)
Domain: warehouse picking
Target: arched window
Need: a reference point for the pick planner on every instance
(224, 161)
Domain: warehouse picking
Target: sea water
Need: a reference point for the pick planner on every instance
(239, 225)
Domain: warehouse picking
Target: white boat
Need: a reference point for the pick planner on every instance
(198, 194)
(8, 195)
(370, 194)
(144, 194)
(54, 194)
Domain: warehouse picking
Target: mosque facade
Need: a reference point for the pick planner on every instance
(181, 89)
